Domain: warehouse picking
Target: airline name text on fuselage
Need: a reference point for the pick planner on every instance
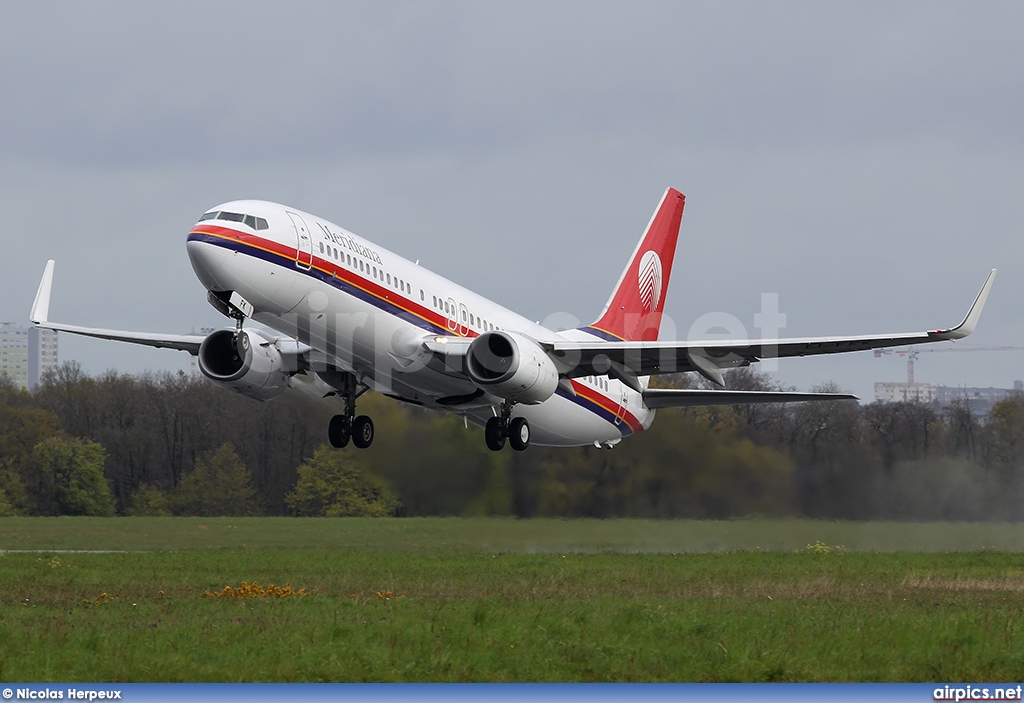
(349, 243)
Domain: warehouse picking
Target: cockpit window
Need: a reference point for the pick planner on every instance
(248, 220)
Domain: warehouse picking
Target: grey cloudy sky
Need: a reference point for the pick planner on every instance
(863, 161)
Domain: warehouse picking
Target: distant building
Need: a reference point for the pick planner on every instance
(895, 392)
(26, 353)
(14, 353)
(980, 400)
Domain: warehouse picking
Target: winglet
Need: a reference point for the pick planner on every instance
(41, 307)
(971, 321)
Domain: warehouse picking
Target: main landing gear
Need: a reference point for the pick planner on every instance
(358, 429)
(505, 427)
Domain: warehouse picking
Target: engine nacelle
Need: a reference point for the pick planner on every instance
(246, 362)
(511, 366)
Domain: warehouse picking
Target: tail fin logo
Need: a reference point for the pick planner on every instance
(649, 281)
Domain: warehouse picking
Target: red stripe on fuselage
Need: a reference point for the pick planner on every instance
(383, 293)
(331, 268)
(608, 405)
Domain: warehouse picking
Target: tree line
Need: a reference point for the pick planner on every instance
(172, 444)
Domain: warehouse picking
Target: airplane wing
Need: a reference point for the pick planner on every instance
(41, 311)
(627, 360)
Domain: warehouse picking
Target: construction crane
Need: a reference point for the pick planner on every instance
(911, 354)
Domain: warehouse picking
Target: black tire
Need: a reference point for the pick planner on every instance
(339, 431)
(493, 435)
(519, 433)
(362, 432)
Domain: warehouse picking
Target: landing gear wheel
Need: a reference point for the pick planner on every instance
(519, 433)
(348, 427)
(339, 431)
(362, 432)
(494, 434)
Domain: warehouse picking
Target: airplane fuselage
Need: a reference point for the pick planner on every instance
(365, 310)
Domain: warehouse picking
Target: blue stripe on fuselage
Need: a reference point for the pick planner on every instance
(366, 296)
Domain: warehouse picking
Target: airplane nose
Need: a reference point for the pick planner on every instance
(207, 260)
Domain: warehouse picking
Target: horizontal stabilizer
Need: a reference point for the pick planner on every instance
(689, 398)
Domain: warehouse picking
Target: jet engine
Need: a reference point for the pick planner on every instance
(511, 366)
(244, 361)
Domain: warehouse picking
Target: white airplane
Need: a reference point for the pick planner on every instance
(349, 315)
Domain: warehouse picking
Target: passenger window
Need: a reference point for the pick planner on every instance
(389, 279)
(321, 247)
(421, 294)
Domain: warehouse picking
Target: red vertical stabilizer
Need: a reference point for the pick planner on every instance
(635, 308)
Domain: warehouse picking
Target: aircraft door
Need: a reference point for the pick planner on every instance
(451, 311)
(463, 319)
(303, 243)
(620, 412)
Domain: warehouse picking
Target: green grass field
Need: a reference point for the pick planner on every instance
(506, 600)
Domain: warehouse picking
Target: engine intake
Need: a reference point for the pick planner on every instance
(245, 362)
(511, 366)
